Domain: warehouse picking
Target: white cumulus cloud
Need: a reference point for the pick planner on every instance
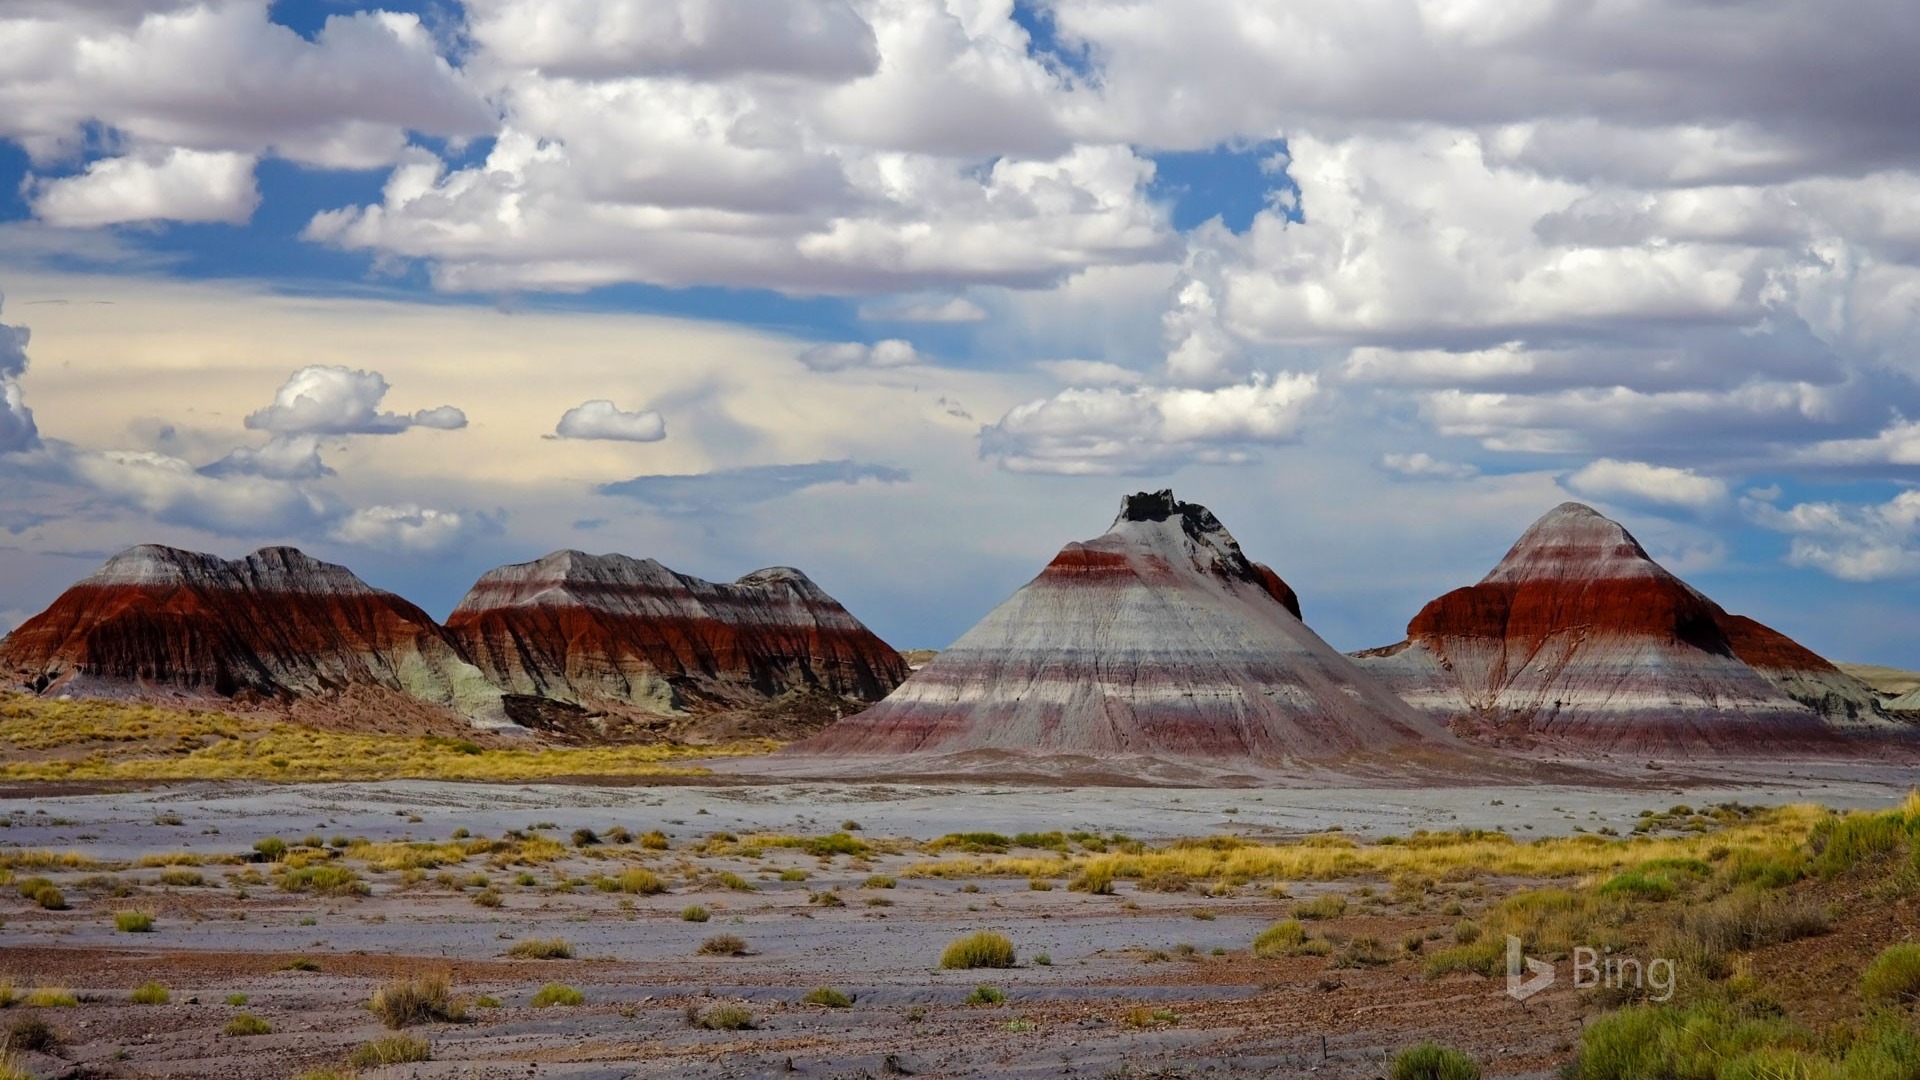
(1853, 542)
(1639, 481)
(164, 185)
(410, 528)
(338, 400)
(1424, 466)
(839, 356)
(1114, 431)
(602, 419)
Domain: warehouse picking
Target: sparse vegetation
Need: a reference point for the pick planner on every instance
(541, 949)
(150, 993)
(133, 922)
(325, 880)
(556, 994)
(390, 1050)
(50, 997)
(1331, 906)
(721, 1018)
(723, 945)
(828, 996)
(105, 740)
(1894, 976)
(1431, 1061)
(1280, 939)
(695, 913)
(30, 1035)
(247, 1024)
(984, 949)
(422, 999)
(985, 995)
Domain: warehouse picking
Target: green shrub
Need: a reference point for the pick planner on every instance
(723, 945)
(1280, 939)
(640, 882)
(878, 881)
(272, 849)
(734, 881)
(541, 949)
(1640, 885)
(325, 880)
(654, 841)
(828, 996)
(557, 994)
(423, 999)
(985, 995)
(248, 1024)
(1894, 975)
(1431, 1061)
(133, 922)
(1841, 843)
(695, 913)
(181, 878)
(794, 873)
(1331, 906)
(984, 949)
(30, 1034)
(390, 1050)
(151, 993)
(835, 844)
(722, 1018)
(585, 838)
(236, 1000)
(1684, 1043)
(1095, 879)
(50, 898)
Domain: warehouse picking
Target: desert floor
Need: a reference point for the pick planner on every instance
(1155, 979)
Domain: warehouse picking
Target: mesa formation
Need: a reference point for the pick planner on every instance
(1156, 642)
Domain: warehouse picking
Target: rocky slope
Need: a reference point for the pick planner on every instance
(1158, 639)
(275, 626)
(1579, 634)
(612, 631)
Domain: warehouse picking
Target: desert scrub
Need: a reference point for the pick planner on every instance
(721, 1018)
(985, 995)
(488, 898)
(541, 949)
(1894, 976)
(984, 949)
(271, 849)
(422, 999)
(1431, 1061)
(723, 945)
(133, 922)
(51, 997)
(390, 1050)
(794, 873)
(247, 1024)
(829, 996)
(640, 882)
(302, 963)
(734, 881)
(1096, 880)
(181, 878)
(324, 880)
(49, 898)
(10, 1067)
(556, 994)
(220, 747)
(695, 913)
(1331, 906)
(878, 881)
(150, 993)
(1280, 939)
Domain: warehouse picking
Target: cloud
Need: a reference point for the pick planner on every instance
(222, 77)
(171, 490)
(322, 400)
(601, 419)
(409, 527)
(826, 40)
(283, 457)
(17, 429)
(1641, 482)
(160, 185)
(1148, 430)
(1852, 542)
(724, 490)
(1423, 466)
(954, 309)
(840, 356)
(1090, 373)
(1898, 444)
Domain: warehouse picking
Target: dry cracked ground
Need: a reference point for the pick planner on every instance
(294, 905)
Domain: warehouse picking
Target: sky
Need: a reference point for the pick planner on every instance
(909, 293)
